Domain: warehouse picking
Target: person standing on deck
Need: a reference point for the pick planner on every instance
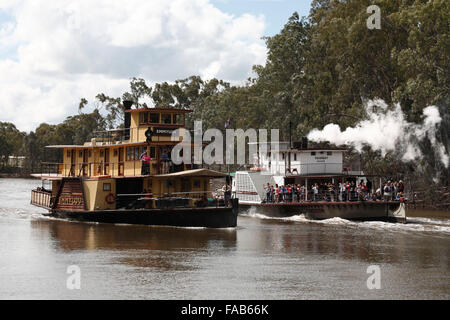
(277, 193)
(289, 193)
(315, 191)
(165, 161)
(342, 191)
(226, 193)
(387, 191)
(267, 188)
(145, 159)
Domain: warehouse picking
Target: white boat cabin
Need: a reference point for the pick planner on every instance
(298, 161)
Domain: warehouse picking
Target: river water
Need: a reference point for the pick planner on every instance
(260, 259)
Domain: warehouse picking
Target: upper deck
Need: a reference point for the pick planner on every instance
(116, 153)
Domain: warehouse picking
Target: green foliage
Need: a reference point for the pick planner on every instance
(11, 142)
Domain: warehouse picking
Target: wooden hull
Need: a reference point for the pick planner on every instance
(209, 217)
(361, 210)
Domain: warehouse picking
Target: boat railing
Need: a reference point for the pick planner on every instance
(119, 136)
(128, 168)
(42, 198)
(115, 136)
(329, 196)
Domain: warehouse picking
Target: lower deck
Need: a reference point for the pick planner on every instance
(358, 210)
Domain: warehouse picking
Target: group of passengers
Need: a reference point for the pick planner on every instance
(345, 191)
(391, 191)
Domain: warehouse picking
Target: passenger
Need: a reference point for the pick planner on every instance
(165, 161)
(267, 189)
(401, 187)
(302, 193)
(341, 191)
(394, 190)
(297, 192)
(145, 159)
(353, 190)
(226, 193)
(277, 193)
(289, 193)
(315, 192)
(387, 191)
(332, 192)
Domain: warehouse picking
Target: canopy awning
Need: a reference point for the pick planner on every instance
(193, 173)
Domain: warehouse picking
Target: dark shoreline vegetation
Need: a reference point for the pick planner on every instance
(320, 69)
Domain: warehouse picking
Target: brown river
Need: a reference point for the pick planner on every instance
(262, 258)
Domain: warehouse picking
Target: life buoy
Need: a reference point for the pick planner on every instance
(110, 198)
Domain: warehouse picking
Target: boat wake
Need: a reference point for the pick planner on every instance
(17, 213)
(412, 225)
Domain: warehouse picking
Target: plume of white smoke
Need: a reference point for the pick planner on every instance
(387, 130)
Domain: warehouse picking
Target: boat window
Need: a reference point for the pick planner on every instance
(129, 153)
(143, 118)
(166, 118)
(196, 183)
(329, 153)
(313, 153)
(106, 186)
(154, 117)
(133, 153)
(295, 157)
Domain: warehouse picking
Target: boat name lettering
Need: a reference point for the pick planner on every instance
(71, 200)
(163, 131)
(321, 159)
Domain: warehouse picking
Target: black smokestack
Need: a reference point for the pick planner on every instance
(304, 143)
(127, 122)
(127, 104)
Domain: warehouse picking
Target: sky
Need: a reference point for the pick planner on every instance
(53, 53)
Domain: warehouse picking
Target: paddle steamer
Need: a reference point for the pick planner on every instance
(104, 180)
(306, 166)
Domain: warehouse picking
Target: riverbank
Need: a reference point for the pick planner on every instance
(16, 175)
(428, 213)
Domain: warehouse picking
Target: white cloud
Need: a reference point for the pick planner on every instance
(72, 49)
